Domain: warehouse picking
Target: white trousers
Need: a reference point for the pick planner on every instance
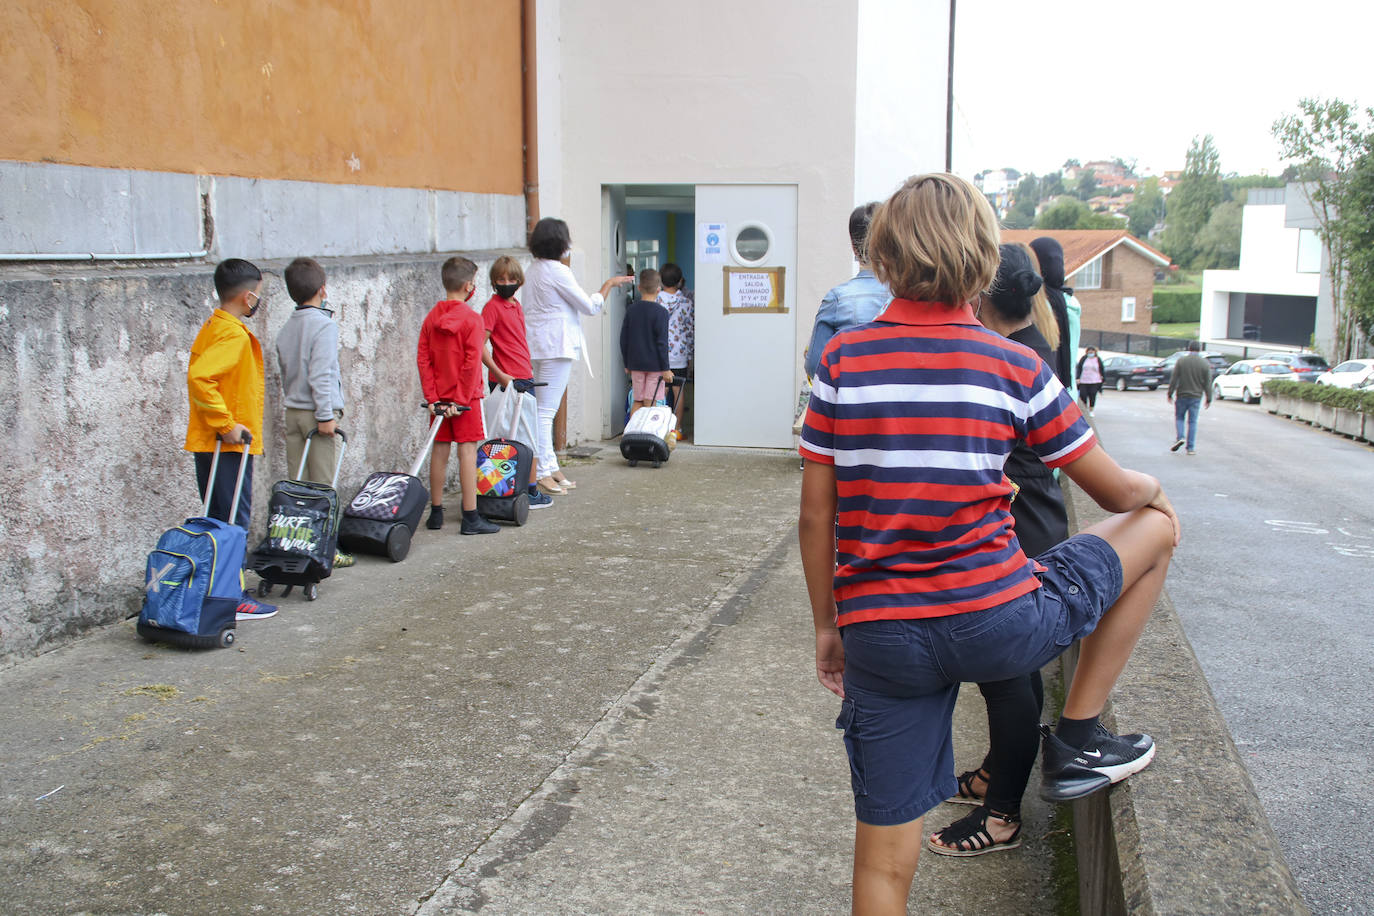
(554, 373)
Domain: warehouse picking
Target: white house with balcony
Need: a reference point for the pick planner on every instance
(1272, 297)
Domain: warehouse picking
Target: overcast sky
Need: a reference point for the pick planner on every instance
(1038, 83)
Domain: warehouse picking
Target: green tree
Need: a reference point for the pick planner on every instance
(1147, 210)
(1235, 186)
(1087, 185)
(1325, 140)
(1357, 209)
(1192, 201)
(1051, 185)
(1218, 243)
(1068, 213)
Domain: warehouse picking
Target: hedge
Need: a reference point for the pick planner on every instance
(1361, 399)
(1171, 306)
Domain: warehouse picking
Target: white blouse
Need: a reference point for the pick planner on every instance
(554, 304)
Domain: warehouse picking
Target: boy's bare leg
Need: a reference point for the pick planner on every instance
(467, 474)
(438, 470)
(884, 864)
(1144, 542)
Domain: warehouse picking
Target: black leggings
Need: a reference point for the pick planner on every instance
(1087, 393)
(1014, 707)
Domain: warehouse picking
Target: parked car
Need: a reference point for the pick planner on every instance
(1246, 378)
(1218, 362)
(1353, 373)
(1306, 366)
(1131, 372)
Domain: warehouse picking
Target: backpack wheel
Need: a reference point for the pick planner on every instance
(226, 638)
(520, 509)
(658, 463)
(634, 462)
(264, 588)
(398, 543)
(312, 591)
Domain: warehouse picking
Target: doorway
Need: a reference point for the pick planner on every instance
(724, 237)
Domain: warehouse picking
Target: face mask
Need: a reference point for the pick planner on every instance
(469, 295)
(324, 307)
(257, 304)
(505, 290)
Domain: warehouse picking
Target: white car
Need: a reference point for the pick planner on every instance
(1246, 379)
(1353, 373)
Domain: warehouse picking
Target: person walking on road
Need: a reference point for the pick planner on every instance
(1190, 383)
(1089, 374)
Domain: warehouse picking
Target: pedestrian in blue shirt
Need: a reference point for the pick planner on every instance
(855, 301)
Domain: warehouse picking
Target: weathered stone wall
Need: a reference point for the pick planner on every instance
(93, 407)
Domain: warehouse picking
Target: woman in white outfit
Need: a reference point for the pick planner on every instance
(554, 304)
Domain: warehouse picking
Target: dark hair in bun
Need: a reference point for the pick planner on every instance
(1016, 283)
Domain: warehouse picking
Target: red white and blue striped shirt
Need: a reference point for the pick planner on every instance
(917, 412)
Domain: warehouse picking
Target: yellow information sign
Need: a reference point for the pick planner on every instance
(754, 290)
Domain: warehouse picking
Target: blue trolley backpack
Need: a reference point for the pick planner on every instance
(194, 578)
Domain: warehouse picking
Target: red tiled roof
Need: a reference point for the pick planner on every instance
(1082, 245)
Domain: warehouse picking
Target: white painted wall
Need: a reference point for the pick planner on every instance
(713, 91)
(902, 74)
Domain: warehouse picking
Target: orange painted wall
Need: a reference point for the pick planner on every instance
(403, 93)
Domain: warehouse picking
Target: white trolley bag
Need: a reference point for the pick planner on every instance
(646, 435)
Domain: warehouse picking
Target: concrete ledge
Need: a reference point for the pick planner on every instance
(1188, 835)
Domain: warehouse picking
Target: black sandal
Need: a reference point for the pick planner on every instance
(966, 794)
(969, 835)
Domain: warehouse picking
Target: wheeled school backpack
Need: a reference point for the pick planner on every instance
(194, 577)
(503, 475)
(302, 531)
(386, 512)
(646, 435)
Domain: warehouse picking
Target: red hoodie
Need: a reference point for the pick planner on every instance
(450, 353)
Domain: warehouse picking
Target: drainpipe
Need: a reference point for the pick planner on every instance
(529, 120)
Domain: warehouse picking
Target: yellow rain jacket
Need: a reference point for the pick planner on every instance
(225, 382)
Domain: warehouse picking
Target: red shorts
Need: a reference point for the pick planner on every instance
(466, 427)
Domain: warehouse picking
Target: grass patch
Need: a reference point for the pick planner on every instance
(1179, 329)
(163, 692)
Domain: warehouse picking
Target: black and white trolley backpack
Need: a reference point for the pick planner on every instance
(302, 531)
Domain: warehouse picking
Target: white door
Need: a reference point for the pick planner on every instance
(746, 365)
(612, 369)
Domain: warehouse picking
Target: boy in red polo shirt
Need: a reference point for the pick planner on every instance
(916, 579)
(450, 362)
(507, 354)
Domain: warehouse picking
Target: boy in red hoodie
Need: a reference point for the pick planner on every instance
(450, 361)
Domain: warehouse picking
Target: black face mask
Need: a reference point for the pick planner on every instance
(505, 290)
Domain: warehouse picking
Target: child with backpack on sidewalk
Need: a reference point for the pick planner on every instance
(449, 357)
(507, 351)
(226, 386)
(312, 390)
(915, 576)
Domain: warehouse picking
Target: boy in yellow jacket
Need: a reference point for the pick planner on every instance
(226, 387)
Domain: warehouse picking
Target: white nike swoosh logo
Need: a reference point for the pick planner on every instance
(1092, 753)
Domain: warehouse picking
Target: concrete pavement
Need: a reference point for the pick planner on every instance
(610, 710)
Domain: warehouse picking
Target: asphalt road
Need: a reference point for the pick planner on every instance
(1273, 584)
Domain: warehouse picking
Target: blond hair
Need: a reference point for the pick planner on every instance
(1041, 314)
(935, 240)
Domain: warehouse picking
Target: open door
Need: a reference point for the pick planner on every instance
(746, 365)
(617, 385)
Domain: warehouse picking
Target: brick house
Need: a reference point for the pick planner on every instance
(1111, 271)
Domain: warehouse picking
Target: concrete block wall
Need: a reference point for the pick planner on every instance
(93, 407)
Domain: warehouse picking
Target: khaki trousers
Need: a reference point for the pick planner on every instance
(319, 467)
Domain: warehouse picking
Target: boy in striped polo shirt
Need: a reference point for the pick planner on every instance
(913, 569)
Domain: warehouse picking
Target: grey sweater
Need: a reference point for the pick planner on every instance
(308, 354)
(1192, 378)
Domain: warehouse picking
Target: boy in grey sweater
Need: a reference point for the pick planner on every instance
(308, 354)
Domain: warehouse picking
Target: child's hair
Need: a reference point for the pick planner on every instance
(1041, 313)
(1013, 289)
(935, 240)
(550, 239)
(233, 276)
(456, 272)
(304, 277)
(859, 221)
(671, 275)
(506, 266)
(650, 282)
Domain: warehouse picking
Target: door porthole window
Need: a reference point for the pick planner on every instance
(751, 243)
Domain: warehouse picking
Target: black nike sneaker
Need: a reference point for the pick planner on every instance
(1066, 774)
